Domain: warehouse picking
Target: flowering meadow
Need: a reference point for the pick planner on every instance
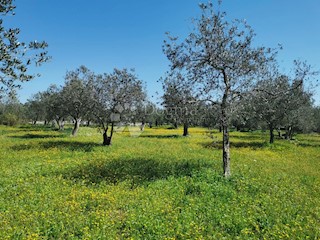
(158, 185)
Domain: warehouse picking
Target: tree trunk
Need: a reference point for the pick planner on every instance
(34, 122)
(76, 127)
(289, 133)
(142, 126)
(279, 132)
(225, 123)
(226, 150)
(88, 123)
(107, 139)
(112, 127)
(271, 141)
(185, 130)
(61, 125)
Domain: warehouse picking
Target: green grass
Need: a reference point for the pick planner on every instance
(156, 186)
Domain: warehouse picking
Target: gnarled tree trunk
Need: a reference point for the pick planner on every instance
(107, 139)
(76, 126)
(60, 123)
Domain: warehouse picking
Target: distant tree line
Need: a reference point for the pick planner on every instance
(102, 99)
(279, 104)
(282, 106)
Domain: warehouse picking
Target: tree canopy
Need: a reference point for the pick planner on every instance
(16, 57)
(221, 62)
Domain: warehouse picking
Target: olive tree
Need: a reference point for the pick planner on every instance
(270, 103)
(300, 114)
(282, 101)
(221, 61)
(144, 112)
(35, 108)
(16, 56)
(11, 111)
(78, 95)
(116, 95)
(55, 109)
(316, 118)
(179, 100)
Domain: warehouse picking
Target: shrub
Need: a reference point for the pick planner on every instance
(9, 119)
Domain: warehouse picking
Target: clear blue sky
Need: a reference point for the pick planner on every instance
(103, 34)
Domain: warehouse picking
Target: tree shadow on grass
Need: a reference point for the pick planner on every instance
(5, 131)
(32, 128)
(137, 171)
(309, 144)
(35, 136)
(61, 145)
(253, 145)
(161, 136)
(248, 137)
(70, 146)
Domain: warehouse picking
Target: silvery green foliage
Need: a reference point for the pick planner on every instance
(78, 95)
(300, 104)
(145, 112)
(35, 108)
(55, 108)
(218, 55)
(6, 6)
(270, 104)
(316, 118)
(11, 111)
(16, 57)
(179, 100)
(282, 101)
(117, 95)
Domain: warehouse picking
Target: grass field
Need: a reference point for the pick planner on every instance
(156, 186)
